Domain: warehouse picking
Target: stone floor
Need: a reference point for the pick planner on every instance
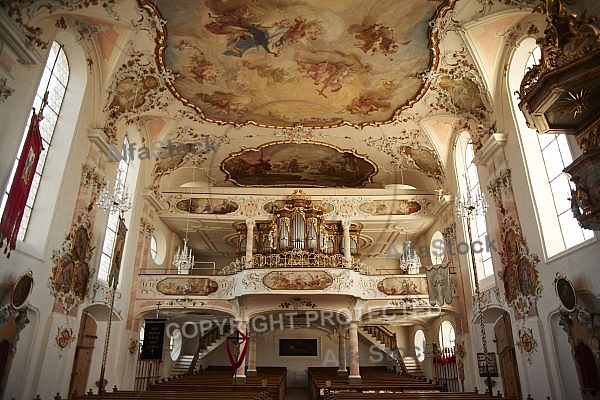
(297, 394)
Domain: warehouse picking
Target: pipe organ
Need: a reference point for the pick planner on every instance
(298, 225)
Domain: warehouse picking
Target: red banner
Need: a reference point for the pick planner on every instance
(236, 339)
(19, 190)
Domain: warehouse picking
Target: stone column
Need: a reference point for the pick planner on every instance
(342, 371)
(240, 374)
(347, 254)
(249, 241)
(252, 356)
(354, 377)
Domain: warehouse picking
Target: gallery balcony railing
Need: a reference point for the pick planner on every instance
(296, 259)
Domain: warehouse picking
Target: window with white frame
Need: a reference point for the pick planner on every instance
(469, 187)
(447, 336)
(113, 221)
(153, 247)
(558, 227)
(419, 345)
(54, 82)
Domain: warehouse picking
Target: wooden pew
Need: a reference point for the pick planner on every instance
(373, 379)
(217, 378)
(145, 395)
(212, 383)
(408, 396)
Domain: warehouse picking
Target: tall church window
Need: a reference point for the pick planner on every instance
(470, 187)
(54, 81)
(447, 336)
(419, 345)
(112, 225)
(546, 155)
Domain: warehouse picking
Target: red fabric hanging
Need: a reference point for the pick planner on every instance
(237, 336)
(21, 184)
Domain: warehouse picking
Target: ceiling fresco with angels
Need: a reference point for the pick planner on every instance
(280, 63)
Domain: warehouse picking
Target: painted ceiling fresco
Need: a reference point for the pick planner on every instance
(309, 62)
(299, 165)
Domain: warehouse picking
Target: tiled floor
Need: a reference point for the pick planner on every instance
(297, 394)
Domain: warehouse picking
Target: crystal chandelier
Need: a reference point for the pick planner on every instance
(409, 260)
(184, 258)
(118, 200)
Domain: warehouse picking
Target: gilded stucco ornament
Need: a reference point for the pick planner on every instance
(72, 273)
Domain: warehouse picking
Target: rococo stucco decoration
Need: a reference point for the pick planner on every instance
(520, 276)
(71, 273)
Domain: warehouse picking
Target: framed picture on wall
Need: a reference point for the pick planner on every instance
(298, 348)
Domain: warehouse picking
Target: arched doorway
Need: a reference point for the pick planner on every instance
(507, 358)
(83, 354)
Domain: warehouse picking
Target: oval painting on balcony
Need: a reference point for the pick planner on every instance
(187, 286)
(401, 286)
(297, 280)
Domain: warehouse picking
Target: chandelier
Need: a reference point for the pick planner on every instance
(118, 200)
(470, 205)
(183, 259)
(409, 260)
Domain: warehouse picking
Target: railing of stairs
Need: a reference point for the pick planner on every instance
(203, 342)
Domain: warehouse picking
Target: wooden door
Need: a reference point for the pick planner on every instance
(507, 358)
(83, 355)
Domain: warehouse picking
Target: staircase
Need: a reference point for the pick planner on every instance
(182, 364)
(413, 366)
(188, 363)
(386, 341)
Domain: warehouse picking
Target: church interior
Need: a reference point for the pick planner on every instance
(432, 228)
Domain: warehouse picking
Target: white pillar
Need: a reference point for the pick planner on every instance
(252, 356)
(347, 253)
(354, 377)
(249, 241)
(342, 371)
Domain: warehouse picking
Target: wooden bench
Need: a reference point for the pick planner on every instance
(215, 382)
(199, 395)
(408, 396)
(373, 379)
(220, 378)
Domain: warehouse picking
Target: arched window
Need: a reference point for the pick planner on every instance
(469, 187)
(153, 247)
(112, 225)
(420, 345)
(175, 342)
(558, 228)
(437, 248)
(54, 82)
(447, 336)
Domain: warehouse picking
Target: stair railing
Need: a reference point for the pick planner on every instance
(203, 342)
